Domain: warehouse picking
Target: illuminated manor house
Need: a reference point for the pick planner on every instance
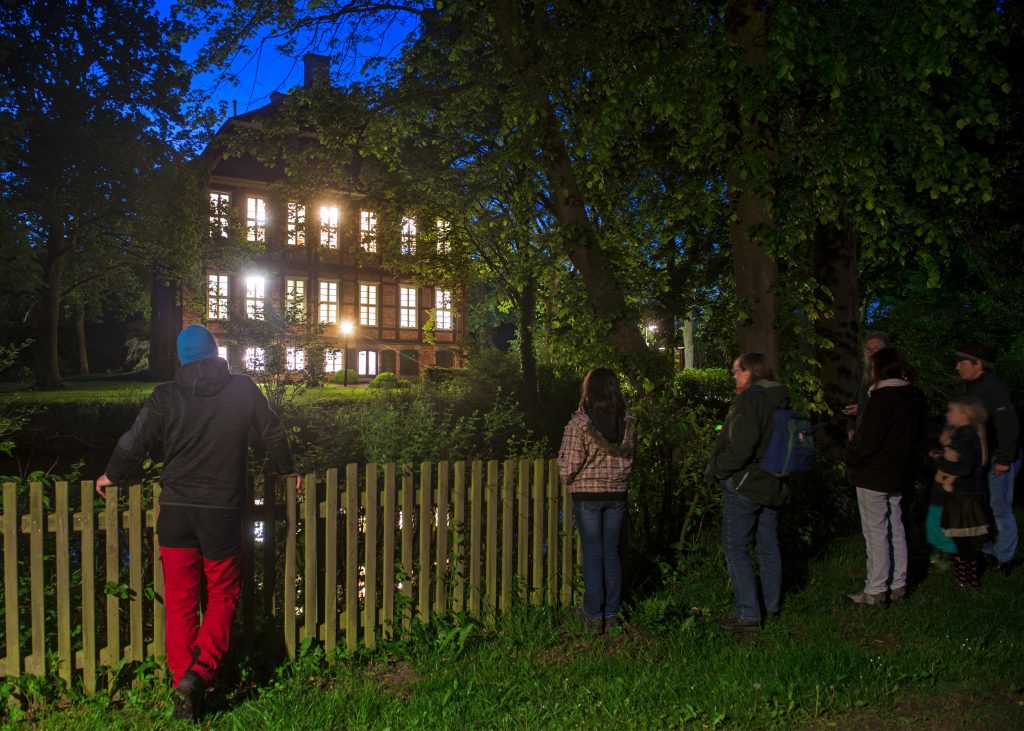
(322, 262)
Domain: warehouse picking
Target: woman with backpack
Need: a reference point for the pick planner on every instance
(882, 462)
(594, 463)
(751, 497)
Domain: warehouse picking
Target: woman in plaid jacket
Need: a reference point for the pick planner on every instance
(594, 462)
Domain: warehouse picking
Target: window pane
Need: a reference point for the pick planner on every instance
(296, 359)
(367, 363)
(329, 226)
(443, 309)
(220, 206)
(407, 307)
(368, 305)
(368, 230)
(295, 299)
(296, 224)
(255, 288)
(255, 219)
(444, 230)
(217, 297)
(328, 302)
(332, 361)
(255, 359)
(408, 236)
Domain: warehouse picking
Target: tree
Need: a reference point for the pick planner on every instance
(94, 88)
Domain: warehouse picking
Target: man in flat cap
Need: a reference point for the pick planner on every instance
(1003, 428)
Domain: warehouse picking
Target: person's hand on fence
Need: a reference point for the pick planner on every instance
(295, 477)
(102, 483)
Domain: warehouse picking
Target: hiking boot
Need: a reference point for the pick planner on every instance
(898, 596)
(593, 625)
(188, 697)
(735, 624)
(871, 600)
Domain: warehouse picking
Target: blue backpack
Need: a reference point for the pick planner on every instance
(790, 445)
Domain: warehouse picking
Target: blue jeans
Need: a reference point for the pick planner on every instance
(1000, 498)
(600, 524)
(744, 520)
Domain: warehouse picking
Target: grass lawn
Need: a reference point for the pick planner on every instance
(945, 660)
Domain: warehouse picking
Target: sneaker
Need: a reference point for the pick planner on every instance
(735, 624)
(898, 596)
(188, 697)
(871, 600)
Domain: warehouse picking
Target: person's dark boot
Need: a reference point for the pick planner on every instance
(188, 697)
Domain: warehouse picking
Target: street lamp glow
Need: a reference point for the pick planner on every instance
(346, 327)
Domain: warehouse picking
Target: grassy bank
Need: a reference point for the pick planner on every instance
(946, 659)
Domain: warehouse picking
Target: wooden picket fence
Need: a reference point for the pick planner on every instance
(363, 558)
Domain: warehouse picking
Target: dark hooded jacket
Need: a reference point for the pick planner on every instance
(203, 419)
(742, 441)
(888, 447)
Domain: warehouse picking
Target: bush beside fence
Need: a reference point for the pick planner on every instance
(354, 558)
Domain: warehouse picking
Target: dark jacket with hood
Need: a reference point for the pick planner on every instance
(203, 419)
(967, 467)
(887, 449)
(742, 441)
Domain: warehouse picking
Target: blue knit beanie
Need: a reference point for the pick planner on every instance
(196, 343)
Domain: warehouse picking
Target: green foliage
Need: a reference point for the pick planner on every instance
(340, 377)
(388, 380)
(709, 387)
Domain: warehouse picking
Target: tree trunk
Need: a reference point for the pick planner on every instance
(164, 326)
(47, 352)
(753, 148)
(527, 316)
(83, 351)
(688, 360)
(837, 266)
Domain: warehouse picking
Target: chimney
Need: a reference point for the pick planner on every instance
(315, 68)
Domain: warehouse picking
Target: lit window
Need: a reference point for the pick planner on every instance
(255, 359)
(220, 206)
(333, 361)
(444, 234)
(367, 363)
(217, 297)
(407, 307)
(296, 224)
(255, 219)
(408, 236)
(222, 352)
(329, 226)
(368, 305)
(443, 309)
(295, 299)
(368, 231)
(255, 291)
(328, 302)
(295, 358)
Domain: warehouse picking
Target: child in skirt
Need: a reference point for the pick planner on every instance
(961, 468)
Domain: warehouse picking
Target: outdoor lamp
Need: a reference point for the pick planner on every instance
(346, 328)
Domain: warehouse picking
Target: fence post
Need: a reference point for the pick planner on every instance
(309, 577)
(159, 614)
(523, 532)
(492, 542)
(537, 577)
(407, 528)
(551, 544)
(290, 555)
(567, 565)
(12, 662)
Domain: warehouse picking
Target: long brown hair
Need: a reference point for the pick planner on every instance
(757, 365)
(601, 393)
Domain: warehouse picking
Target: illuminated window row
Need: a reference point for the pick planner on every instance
(328, 302)
(295, 214)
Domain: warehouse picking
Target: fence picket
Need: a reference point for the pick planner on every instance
(523, 531)
(567, 572)
(63, 549)
(475, 537)
(159, 647)
(12, 661)
(407, 543)
(388, 557)
(551, 543)
(491, 541)
(330, 625)
(37, 614)
(426, 529)
(351, 558)
(443, 573)
(136, 648)
(310, 530)
(507, 503)
(370, 551)
(459, 511)
(290, 555)
(88, 588)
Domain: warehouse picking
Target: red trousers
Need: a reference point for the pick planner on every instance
(191, 645)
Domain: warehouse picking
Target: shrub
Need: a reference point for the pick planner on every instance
(339, 377)
(387, 379)
(709, 387)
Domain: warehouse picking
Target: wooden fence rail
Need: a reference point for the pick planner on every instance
(352, 558)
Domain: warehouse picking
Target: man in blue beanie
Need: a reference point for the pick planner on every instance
(203, 420)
